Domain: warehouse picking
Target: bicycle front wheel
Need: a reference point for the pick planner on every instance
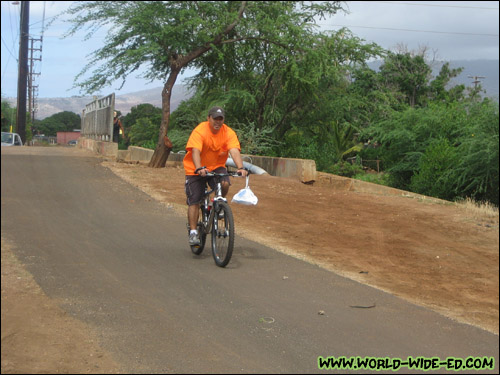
(222, 234)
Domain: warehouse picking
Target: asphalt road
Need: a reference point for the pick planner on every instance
(119, 261)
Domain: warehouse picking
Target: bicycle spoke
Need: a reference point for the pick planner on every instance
(223, 235)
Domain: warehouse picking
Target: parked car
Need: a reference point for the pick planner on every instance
(73, 142)
(11, 139)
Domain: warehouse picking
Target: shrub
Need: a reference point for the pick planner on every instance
(435, 171)
(345, 169)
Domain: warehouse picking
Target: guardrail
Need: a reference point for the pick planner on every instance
(97, 119)
(301, 169)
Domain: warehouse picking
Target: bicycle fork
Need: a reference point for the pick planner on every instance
(207, 224)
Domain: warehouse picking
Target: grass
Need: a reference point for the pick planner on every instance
(376, 178)
(480, 210)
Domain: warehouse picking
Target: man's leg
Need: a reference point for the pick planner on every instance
(225, 188)
(194, 236)
(193, 211)
(194, 187)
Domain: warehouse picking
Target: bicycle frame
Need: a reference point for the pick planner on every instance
(207, 221)
(216, 219)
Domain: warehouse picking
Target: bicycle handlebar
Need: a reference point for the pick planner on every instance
(213, 174)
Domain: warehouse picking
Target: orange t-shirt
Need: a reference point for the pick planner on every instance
(213, 148)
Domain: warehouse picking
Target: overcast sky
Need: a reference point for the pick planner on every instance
(458, 30)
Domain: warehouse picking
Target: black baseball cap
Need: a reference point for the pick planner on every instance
(216, 112)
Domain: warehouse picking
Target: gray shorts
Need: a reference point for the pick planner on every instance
(195, 186)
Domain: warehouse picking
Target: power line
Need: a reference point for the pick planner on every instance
(417, 31)
(430, 5)
(14, 41)
(8, 49)
(8, 60)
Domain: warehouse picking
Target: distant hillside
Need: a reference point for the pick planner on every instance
(49, 106)
(152, 96)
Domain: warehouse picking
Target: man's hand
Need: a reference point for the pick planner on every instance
(242, 172)
(235, 154)
(202, 171)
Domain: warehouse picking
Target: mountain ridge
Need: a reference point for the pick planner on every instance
(123, 102)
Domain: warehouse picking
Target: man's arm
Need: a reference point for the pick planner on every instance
(196, 154)
(121, 126)
(236, 155)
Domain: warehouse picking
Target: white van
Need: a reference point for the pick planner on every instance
(11, 139)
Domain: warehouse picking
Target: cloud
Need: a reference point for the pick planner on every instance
(447, 29)
(457, 30)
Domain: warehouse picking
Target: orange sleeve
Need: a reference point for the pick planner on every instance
(195, 139)
(232, 140)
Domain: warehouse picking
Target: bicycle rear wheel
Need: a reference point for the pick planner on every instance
(201, 233)
(223, 235)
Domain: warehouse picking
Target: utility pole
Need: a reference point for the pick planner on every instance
(32, 88)
(476, 81)
(23, 70)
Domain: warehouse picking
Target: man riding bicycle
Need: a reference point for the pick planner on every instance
(207, 149)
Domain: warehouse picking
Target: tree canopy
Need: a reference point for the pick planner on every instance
(291, 91)
(170, 36)
(8, 116)
(65, 121)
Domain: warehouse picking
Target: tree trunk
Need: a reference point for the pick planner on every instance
(164, 146)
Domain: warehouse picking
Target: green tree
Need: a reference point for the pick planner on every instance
(274, 90)
(277, 100)
(448, 150)
(9, 120)
(434, 175)
(478, 167)
(405, 136)
(409, 74)
(438, 89)
(191, 112)
(141, 125)
(143, 132)
(172, 36)
(59, 122)
(8, 116)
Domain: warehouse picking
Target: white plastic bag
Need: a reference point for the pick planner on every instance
(245, 196)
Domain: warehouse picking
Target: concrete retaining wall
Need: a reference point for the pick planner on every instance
(144, 155)
(303, 170)
(99, 147)
(139, 154)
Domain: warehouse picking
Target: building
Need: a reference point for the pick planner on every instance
(64, 137)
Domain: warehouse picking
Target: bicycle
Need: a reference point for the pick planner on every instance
(215, 217)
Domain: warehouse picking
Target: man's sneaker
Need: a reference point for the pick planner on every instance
(194, 240)
(221, 214)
